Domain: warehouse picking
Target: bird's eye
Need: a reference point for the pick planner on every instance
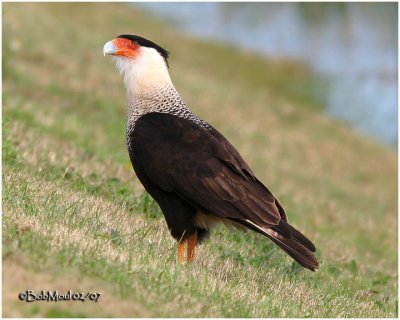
(135, 42)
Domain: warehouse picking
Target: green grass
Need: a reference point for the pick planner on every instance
(74, 214)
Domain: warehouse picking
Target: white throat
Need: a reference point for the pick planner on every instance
(143, 73)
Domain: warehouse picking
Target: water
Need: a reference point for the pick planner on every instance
(354, 45)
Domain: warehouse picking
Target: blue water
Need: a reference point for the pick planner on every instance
(354, 45)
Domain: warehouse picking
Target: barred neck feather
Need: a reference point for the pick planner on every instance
(159, 99)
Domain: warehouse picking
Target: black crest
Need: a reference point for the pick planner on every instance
(143, 42)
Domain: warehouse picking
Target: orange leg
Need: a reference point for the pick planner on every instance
(181, 251)
(192, 241)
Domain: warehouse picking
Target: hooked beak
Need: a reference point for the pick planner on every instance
(109, 48)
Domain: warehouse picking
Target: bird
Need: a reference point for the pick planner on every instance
(190, 169)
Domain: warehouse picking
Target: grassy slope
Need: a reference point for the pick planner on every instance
(73, 209)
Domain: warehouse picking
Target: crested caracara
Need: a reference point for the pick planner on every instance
(191, 170)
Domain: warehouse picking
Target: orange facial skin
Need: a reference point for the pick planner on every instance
(125, 47)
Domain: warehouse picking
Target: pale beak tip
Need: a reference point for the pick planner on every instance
(109, 48)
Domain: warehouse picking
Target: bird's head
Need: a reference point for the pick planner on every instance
(143, 63)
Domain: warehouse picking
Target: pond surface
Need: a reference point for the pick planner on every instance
(354, 45)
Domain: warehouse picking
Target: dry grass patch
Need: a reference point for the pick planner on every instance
(49, 203)
(39, 150)
(21, 277)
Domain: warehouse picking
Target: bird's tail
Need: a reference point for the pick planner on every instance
(292, 241)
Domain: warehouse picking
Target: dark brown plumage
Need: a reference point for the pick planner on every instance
(188, 169)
